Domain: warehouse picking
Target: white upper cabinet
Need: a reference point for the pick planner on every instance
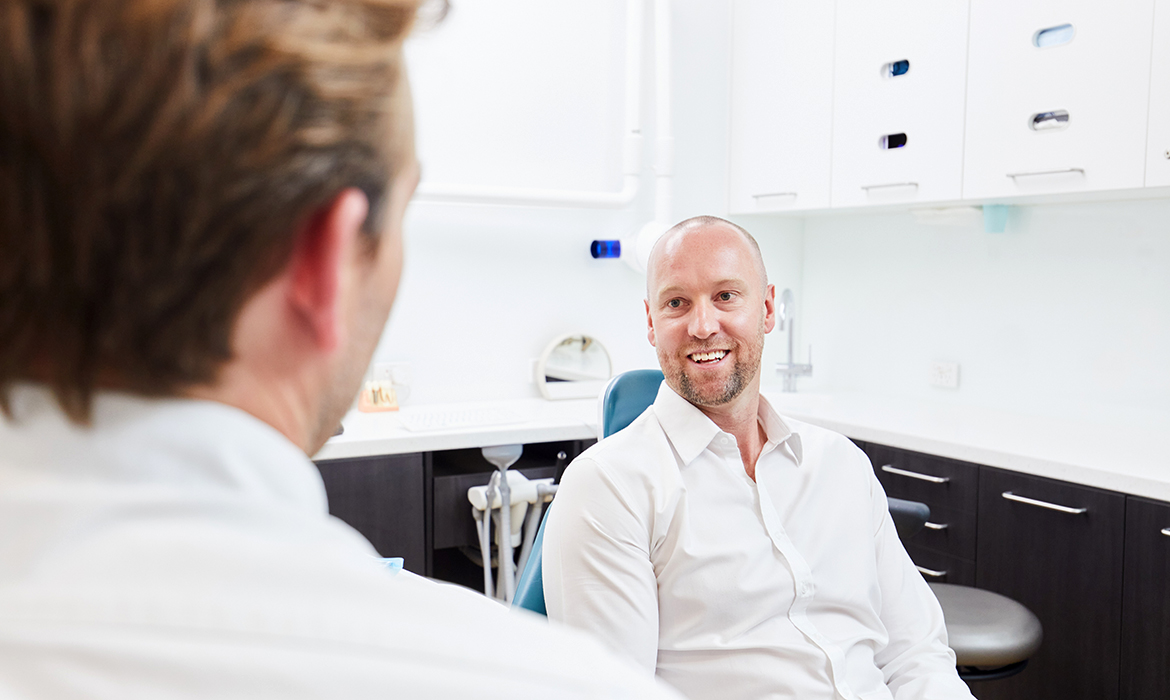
(898, 103)
(1057, 96)
(1158, 143)
(781, 105)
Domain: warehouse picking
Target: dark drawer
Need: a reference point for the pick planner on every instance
(949, 568)
(1145, 608)
(937, 482)
(948, 532)
(454, 524)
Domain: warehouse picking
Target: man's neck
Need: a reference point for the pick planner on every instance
(740, 417)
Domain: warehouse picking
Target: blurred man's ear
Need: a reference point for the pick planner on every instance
(319, 264)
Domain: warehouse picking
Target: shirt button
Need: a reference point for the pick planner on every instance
(724, 440)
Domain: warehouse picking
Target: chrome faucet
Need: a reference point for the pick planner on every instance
(787, 317)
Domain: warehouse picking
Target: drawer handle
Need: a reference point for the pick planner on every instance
(766, 195)
(930, 572)
(937, 526)
(1166, 531)
(1044, 504)
(891, 469)
(890, 186)
(1037, 173)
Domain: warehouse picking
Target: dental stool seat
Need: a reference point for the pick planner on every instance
(992, 636)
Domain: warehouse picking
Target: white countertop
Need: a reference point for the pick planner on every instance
(369, 434)
(1131, 456)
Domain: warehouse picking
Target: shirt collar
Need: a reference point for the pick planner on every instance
(690, 431)
(173, 442)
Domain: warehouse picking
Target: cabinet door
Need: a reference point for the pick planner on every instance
(1158, 143)
(1017, 142)
(1065, 567)
(899, 88)
(781, 105)
(1145, 627)
(384, 498)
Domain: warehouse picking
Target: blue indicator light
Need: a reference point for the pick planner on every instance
(606, 249)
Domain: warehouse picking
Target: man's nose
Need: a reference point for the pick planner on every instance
(704, 321)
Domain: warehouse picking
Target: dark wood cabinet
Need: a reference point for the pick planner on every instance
(415, 506)
(944, 550)
(1065, 565)
(387, 500)
(1145, 619)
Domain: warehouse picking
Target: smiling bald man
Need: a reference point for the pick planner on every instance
(734, 552)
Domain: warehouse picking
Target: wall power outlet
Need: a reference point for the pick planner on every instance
(944, 375)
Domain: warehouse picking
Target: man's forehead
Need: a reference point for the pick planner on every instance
(708, 253)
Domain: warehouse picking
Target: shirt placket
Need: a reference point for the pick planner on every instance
(805, 589)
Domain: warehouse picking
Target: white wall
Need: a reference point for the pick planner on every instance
(485, 288)
(1066, 313)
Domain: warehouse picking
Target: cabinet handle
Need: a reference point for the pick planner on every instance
(1062, 171)
(891, 185)
(1043, 504)
(891, 469)
(774, 194)
(930, 572)
(936, 526)
(1166, 531)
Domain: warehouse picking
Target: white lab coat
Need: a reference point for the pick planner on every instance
(183, 549)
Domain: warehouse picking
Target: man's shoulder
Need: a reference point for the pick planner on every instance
(642, 444)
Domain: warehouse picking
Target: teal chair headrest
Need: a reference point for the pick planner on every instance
(628, 396)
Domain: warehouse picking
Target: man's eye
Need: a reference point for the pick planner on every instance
(674, 303)
(725, 296)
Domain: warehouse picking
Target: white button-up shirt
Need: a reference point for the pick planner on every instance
(183, 549)
(794, 585)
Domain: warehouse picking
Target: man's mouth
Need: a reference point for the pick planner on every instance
(707, 358)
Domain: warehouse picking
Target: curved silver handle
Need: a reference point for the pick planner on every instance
(867, 188)
(1166, 531)
(1044, 504)
(891, 469)
(1062, 171)
(930, 572)
(937, 526)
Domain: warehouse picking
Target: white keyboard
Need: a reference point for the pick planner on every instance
(424, 420)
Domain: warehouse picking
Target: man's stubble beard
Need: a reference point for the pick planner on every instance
(746, 368)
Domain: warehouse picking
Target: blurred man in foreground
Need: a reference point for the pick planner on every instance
(201, 209)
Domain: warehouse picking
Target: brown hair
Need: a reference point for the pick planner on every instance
(157, 158)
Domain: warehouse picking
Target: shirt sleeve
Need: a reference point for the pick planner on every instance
(917, 663)
(596, 562)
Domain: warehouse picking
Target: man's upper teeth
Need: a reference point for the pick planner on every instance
(713, 355)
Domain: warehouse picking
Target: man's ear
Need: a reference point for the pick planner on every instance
(649, 324)
(769, 308)
(321, 266)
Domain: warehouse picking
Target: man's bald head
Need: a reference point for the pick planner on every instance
(681, 233)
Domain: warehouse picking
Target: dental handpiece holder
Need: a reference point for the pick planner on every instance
(513, 495)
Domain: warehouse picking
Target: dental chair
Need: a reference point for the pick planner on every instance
(992, 636)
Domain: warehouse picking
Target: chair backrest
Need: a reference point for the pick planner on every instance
(909, 516)
(626, 397)
(530, 588)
